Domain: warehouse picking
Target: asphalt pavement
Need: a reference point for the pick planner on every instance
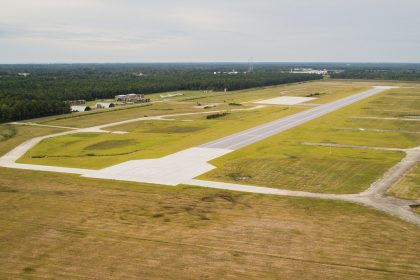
(253, 135)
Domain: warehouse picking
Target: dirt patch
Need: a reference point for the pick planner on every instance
(239, 176)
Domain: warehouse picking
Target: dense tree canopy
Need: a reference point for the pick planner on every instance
(46, 88)
(379, 74)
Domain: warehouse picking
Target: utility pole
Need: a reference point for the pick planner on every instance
(250, 64)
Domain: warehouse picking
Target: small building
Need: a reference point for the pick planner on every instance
(131, 98)
(171, 95)
(309, 71)
(134, 96)
(80, 108)
(120, 98)
(104, 105)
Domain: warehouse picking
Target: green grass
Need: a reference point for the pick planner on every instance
(7, 132)
(21, 134)
(186, 103)
(119, 113)
(282, 162)
(330, 91)
(147, 139)
(111, 144)
(334, 127)
(279, 163)
(409, 186)
(61, 226)
(156, 139)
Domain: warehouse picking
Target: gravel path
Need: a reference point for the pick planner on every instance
(376, 130)
(353, 146)
(386, 118)
(44, 125)
(374, 196)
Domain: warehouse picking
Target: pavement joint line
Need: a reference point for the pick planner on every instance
(385, 118)
(316, 111)
(336, 145)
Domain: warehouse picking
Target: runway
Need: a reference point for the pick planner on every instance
(185, 165)
(253, 135)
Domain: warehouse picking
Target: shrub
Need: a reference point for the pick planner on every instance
(218, 115)
(7, 132)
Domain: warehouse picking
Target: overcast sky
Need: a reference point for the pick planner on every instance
(209, 30)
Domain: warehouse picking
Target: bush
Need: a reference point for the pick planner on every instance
(313, 94)
(218, 115)
(7, 132)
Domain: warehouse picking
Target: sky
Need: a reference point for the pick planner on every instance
(77, 31)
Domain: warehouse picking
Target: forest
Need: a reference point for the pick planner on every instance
(37, 90)
(30, 91)
(379, 74)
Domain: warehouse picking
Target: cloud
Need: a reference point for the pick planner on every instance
(216, 30)
(69, 33)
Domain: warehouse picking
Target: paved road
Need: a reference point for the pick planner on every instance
(253, 135)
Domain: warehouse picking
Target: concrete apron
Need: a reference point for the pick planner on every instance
(172, 170)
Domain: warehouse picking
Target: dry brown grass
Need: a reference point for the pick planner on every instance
(66, 227)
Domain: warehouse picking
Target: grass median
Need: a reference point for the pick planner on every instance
(283, 161)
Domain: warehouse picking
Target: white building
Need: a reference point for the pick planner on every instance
(120, 98)
(104, 105)
(309, 71)
(80, 108)
(171, 95)
(132, 98)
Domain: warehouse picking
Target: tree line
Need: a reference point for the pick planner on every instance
(45, 91)
(379, 74)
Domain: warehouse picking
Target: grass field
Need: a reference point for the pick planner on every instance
(66, 227)
(327, 90)
(186, 103)
(20, 133)
(279, 163)
(99, 117)
(146, 139)
(344, 126)
(282, 162)
(409, 186)
(155, 139)
(61, 226)
(7, 132)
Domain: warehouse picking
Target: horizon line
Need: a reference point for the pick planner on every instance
(210, 62)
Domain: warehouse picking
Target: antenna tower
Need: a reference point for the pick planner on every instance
(250, 64)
